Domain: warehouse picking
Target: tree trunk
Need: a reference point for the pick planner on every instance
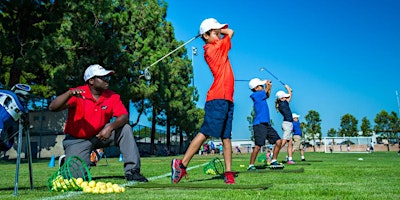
(153, 132)
(314, 143)
(168, 133)
(388, 144)
(15, 73)
(180, 141)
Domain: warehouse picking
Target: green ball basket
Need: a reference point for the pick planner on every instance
(65, 178)
(214, 167)
(261, 158)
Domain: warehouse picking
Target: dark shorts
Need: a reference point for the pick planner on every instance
(218, 119)
(264, 132)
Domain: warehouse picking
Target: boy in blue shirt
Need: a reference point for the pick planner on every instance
(261, 124)
(297, 135)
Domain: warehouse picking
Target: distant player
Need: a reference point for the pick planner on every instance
(297, 136)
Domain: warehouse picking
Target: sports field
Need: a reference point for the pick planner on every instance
(322, 176)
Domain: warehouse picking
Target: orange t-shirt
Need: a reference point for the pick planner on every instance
(216, 56)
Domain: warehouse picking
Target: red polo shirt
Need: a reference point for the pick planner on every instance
(216, 56)
(86, 116)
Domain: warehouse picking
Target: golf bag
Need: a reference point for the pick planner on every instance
(12, 107)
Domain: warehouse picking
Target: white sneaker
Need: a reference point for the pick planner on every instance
(61, 161)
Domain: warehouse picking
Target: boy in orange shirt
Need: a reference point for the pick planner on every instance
(219, 102)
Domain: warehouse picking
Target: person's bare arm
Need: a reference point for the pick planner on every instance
(105, 133)
(289, 92)
(227, 31)
(60, 103)
(268, 87)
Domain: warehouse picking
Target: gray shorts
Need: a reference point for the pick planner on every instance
(287, 128)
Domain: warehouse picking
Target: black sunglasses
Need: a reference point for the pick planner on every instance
(105, 78)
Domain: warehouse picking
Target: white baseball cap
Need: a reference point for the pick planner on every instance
(294, 115)
(96, 70)
(281, 94)
(256, 82)
(209, 24)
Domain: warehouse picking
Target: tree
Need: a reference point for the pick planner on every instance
(387, 125)
(394, 124)
(174, 97)
(25, 29)
(125, 36)
(313, 126)
(366, 127)
(250, 119)
(348, 126)
(332, 132)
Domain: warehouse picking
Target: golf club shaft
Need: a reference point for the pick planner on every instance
(262, 69)
(241, 80)
(174, 50)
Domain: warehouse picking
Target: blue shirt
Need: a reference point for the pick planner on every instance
(296, 128)
(260, 107)
(284, 109)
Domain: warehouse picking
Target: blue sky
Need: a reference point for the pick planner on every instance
(339, 56)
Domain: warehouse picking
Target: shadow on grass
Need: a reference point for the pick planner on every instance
(265, 169)
(24, 188)
(24, 160)
(188, 186)
(107, 177)
(297, 163)
(208, 179)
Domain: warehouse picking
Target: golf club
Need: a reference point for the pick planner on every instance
(265, 69)
(147, 74)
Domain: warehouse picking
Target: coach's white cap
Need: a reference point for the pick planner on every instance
(294, 115)
(209, 24)
(281, 94)
(256, 82)
(96, 70)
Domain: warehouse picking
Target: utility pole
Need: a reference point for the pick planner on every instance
(194, 53)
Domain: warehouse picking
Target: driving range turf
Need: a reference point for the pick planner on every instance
(321, 176)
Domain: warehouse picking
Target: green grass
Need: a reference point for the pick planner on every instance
(338, 176)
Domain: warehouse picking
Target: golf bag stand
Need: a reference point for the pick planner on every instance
(12, 109)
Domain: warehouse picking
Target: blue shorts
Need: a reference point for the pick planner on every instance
(218, 119)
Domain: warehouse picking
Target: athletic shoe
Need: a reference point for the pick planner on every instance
(252, 168)
(290, 162)
(275, 163)
(134, 175)
(229, 177)
(61, 161)
(177, 172)
(303, 159)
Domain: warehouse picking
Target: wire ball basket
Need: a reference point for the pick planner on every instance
(214, 167)
(69, 176)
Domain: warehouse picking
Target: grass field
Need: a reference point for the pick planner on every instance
(325, 176)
